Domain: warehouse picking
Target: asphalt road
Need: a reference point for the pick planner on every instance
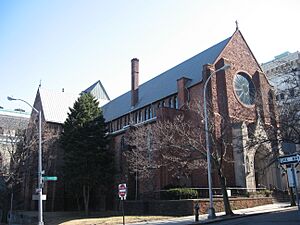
(287, 217)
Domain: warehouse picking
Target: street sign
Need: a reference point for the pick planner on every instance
(122, 191)
(289, 159)
(36, 197)
(45, 178)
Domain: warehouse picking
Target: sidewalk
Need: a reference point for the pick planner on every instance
(221, 215)
(247, 212)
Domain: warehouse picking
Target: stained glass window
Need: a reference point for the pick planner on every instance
(244, 88)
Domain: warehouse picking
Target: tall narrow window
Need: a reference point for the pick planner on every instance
(146, 113)
(163, 104)
(170, 103)
(139, 116)
(135, 117)
(150, 112)
(175, 102)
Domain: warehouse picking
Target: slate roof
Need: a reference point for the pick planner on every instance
(56, 105)
(13, 120)
(98, 91)
(164, 84)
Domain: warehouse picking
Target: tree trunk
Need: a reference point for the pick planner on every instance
(227, 206)
(86, 198)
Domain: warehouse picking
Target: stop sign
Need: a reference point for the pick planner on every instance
(122, 191)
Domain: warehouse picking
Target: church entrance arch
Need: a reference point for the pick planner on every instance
(261, 166)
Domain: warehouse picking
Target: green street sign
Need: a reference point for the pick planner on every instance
(49, 178)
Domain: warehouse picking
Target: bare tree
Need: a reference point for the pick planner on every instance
(284, 125)
(23, 157)
(286, 81)
(178, 144)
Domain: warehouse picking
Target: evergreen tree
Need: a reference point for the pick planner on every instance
(87, 159)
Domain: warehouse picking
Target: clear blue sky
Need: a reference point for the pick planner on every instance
(71, 44)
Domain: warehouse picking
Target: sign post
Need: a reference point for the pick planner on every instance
(291, 160)
(295, 185)
(122, 194)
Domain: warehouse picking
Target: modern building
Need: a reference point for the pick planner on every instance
(233, 96)
(283, 73)
(12, 127)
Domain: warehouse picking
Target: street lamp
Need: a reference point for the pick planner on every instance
(40, 179)
(211, 210)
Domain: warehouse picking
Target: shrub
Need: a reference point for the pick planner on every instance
(179, 193)
(261, 193)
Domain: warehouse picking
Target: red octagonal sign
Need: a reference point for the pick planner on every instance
(122, 191)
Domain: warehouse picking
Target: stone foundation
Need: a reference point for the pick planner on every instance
(186, 207)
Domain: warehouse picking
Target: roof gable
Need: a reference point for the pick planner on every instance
(99, 92)
(55, 105)
(165, 84)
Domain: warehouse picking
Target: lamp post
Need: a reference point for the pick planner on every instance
(40, 178)
(211, 210)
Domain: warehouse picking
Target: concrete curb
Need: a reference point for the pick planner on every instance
(237, 216)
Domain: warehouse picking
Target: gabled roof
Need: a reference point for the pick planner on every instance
(98, 91)
(165, 84)
(55, 105)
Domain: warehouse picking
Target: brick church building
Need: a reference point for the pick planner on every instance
(242, 93)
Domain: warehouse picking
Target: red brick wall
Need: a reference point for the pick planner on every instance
(223, 99)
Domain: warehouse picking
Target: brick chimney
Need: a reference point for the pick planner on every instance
(183, 92)
(134, 81)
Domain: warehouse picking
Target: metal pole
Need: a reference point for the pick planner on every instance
(295, 185)
(123, 210)
(40, 173)
(40, 179)
(211, 210)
